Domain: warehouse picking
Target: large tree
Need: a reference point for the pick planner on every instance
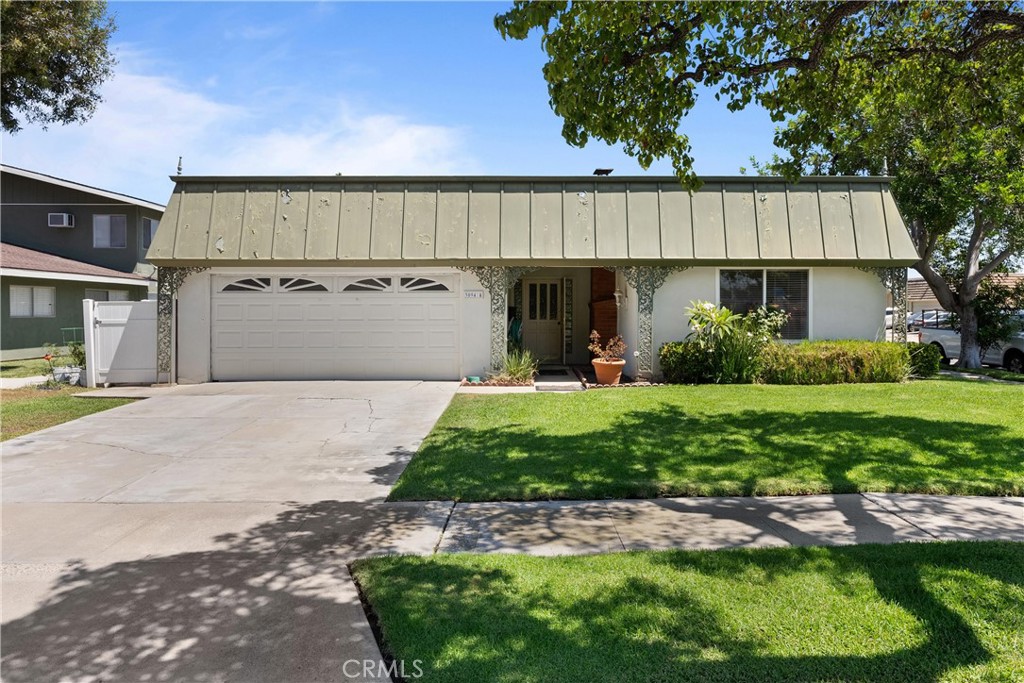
(53, 59)
(934, 88)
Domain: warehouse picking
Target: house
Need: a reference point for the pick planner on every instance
(920, 296)
(62, 242)
(416, 277)
(41, 298)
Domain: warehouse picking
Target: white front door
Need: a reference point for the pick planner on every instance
(542, 319)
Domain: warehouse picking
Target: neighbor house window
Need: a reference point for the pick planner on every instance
(32, 302)
(109, 232)
(742, 291)
(107, 294)
(148, 231)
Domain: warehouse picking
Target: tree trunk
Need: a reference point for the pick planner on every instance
(970, 351)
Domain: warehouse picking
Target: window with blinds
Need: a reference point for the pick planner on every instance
(742, 291)
(109, 232)
(33, 302)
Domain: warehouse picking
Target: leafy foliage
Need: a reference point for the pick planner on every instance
(930, 91)
(835, 362)
(615, 348)
(722, 347)
(54, 59)
(925, 360)
(998, 309)
(520, 365)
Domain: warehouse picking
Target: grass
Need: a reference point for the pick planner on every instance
(25, 368)
(995, 373)
(871, 613)
(27, 410)
(936, 436)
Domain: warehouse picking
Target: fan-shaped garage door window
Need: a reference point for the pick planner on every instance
(422, 284)
(369, 284)
(249, 284)
(299, 284)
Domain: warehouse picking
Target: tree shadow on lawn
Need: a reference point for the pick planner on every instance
(659, 623)
(269, 604)
(668, 451)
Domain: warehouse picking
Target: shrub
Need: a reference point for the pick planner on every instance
(520, 366)
(614, 349)
(77, 352)
(835, 362)
(685, 362)
(924, 359)
(722, 347)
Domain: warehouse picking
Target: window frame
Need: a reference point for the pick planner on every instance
(147, 235)
(764, 293)
(32, 301)
(109, 216)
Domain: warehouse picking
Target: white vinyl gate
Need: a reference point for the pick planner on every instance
(120, 342)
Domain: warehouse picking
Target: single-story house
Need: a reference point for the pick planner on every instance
(920, 296)
(416, 277)
(41, 298)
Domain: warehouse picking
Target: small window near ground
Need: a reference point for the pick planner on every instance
(149, 226)
(33, 302)
(742, 291)
(248, 284)
(109, 231)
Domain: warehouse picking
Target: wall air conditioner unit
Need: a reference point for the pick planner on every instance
(61, 220)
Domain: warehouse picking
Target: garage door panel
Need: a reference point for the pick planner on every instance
(291, 311)
(277, 334)
(259, 311)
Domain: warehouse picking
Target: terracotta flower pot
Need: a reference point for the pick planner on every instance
(608, 371)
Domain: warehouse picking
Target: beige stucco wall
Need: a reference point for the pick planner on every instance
(847, 303)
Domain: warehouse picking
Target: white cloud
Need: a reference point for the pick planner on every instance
(146, 121)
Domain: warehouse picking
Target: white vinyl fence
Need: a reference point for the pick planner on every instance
(120, 342)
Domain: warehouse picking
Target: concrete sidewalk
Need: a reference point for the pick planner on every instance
(582, 527)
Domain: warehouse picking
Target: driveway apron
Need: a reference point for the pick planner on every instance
(203, 534)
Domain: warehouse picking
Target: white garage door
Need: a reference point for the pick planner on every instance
(335, 327)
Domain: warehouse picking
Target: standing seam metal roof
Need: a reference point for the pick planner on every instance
(530, 220)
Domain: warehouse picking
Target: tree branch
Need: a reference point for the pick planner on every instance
(943, 292)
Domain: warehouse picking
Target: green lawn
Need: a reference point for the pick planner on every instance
(28, 410)
(871, 613)
(996, 373)
(24, 368)
(937, 436)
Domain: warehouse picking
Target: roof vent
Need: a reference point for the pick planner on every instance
(603, 171)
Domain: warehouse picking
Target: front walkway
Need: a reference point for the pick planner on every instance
(582, 527)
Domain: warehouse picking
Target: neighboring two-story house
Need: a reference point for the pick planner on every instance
(63, 242)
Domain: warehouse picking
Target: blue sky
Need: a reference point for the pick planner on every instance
(356, 88)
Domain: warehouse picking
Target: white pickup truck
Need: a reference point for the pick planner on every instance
(1010, 355)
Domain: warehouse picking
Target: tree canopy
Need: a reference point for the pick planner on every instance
(933, 92)
(53, 59)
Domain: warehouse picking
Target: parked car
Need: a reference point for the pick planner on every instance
(930, 318)
(1010, 355)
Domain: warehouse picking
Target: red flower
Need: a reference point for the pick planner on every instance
(48, 357)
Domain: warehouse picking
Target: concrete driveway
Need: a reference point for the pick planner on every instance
(203, 534)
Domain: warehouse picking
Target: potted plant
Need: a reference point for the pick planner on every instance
(609, 362)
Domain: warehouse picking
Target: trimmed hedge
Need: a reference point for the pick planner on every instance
(835, 362)
(925, 359)
(684, 362)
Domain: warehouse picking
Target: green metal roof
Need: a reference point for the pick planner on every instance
(335, 220)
